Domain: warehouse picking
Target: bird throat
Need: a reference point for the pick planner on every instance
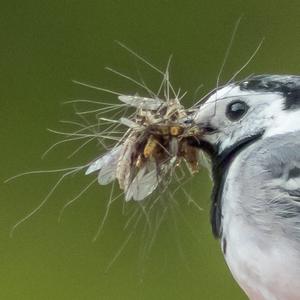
(220, 166)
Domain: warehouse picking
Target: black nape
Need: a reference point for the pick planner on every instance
(287, 85)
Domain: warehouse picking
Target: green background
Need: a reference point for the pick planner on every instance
(46, 44)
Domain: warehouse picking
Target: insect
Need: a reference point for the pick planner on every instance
(154, 144)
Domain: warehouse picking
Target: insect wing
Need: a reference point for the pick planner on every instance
(125, 162)
(96, 165)
(131, 190)
(144, 183)
(104, 160)
(108, 173)
(141, 102)
(131, 124)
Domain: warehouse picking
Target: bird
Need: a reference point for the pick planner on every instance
(251, 132)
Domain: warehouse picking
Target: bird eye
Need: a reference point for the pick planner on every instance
(236, 110)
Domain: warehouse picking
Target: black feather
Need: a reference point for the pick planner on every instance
(220, 166)
(287, 85)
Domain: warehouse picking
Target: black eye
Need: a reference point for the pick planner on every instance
(236, 110)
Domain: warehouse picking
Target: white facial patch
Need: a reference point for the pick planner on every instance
(285, 121)
(266, 114)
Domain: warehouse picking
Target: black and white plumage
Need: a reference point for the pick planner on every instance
(252, 133)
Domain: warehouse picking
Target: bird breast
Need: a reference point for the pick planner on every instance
(262, 261)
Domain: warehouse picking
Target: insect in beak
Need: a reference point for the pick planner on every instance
(155, 144)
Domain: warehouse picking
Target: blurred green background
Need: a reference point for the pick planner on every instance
(46, 44)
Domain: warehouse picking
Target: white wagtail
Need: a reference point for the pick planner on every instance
(252, 134)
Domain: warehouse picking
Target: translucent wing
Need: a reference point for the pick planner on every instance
(104, 160)
(95, 166)
(131, 124)
(126, 163)
(109, 169)
(141, 102)
(144, 183)
(108, 173)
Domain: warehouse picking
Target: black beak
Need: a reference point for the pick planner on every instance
(199, 141)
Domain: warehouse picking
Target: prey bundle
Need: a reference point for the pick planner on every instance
(155, 142)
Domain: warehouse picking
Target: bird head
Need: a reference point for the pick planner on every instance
(240, 113)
